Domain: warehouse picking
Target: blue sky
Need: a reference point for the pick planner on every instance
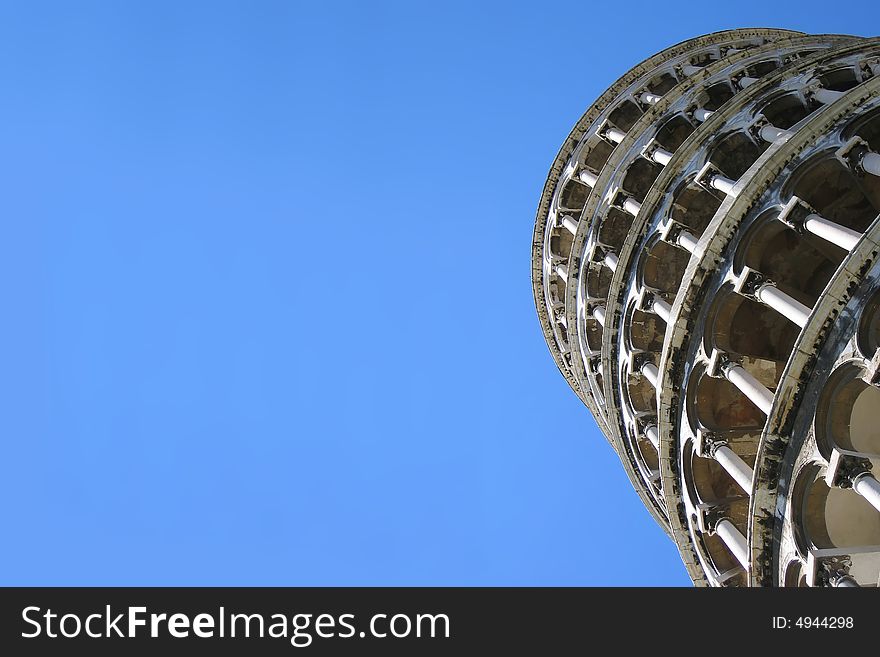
(268, 318)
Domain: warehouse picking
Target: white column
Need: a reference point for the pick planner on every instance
(562, 272)
(632, 206)
(687, 241)
(871, 163)
(826, 96)
(845, 582)
(615, 135)
(782, 303)
(869, 488)
(650, 99)
(842, 236)
(746, 81)
(588, 178)
(661, 156)
(771, 133)
(654, 436)
(610, 261)
(750, 387)
(735, 466)
(570, 224)
(689, 69)
(599, 315)
(651, 373)
(735, 541)
(662, 309)
(722, 184)
(702, 115)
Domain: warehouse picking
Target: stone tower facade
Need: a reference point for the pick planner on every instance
(705, 270)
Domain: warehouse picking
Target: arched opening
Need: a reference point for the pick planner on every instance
(722, 564)
(867, 127)
(648, 454)
(593, 334)
(837, 518)
(694, 207)
(746, 327)
(794, 574)
(761, 69)
(662, 266)
(596, 153)
(642, 396)
(712, 551)
(644, 331)
(830, 187)
(841, 79)
(794, 262)
(674, 132)
(560, 242)
(735, 153)
(613, 230)
(706, 482)
(718, 405)
(717, 95)
(573, 196)
(639, 178)
(786, 111)
(847, 413)
(661, 84)
(556, 294)
(647, 460)
(714, 485)
(597, 280)
(864, 430)
(625, 115)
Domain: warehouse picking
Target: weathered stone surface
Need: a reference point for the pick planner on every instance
(704, 267)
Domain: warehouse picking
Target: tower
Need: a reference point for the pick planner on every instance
(705, 270)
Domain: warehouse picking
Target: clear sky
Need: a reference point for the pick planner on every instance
(265, 276)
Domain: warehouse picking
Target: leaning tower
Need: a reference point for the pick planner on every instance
(705, 269)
